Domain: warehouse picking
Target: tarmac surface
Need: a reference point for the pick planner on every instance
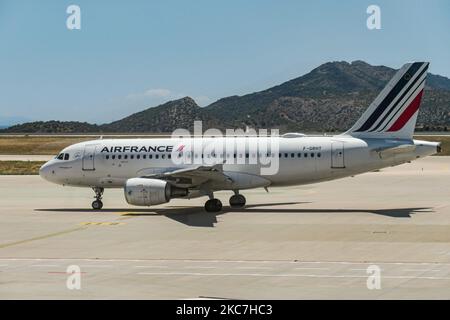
(306, 242)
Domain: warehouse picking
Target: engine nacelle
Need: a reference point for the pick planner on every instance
(148, 192)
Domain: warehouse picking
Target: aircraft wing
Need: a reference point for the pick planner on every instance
(198, 176)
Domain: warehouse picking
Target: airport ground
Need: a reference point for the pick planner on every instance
(303, 242)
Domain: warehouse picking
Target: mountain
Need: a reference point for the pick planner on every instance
(179, 113)
(329, 98)
(53, 127)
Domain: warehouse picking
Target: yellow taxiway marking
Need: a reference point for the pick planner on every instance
(93, 223)
(46, 236)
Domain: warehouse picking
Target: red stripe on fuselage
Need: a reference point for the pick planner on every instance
(408, 113)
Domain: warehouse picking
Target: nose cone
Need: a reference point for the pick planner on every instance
(44, 171)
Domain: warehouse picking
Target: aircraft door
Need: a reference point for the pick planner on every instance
(337, 154)
(89, 157)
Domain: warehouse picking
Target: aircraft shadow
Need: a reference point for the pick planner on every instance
(197, 217)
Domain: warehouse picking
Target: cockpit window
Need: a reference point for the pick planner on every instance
(63, 156)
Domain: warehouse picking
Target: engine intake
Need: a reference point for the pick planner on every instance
(148, 192)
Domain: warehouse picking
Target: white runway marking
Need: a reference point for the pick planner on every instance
(252, 268)
(234, 261)
(364, 269)
(420, 270)
(44, 265)
(96, 266)
(198, 274)
(156, 267)
(305, 268)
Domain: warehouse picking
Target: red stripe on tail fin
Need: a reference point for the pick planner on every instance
(407, 114)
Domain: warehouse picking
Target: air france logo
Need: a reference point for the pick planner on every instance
(180, 148)
(138, 149)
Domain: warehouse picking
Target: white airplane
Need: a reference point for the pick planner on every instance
(150, 175)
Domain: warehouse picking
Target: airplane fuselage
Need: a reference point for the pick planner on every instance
(109, 163)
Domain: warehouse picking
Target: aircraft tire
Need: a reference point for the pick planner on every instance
(213, 205)
(237, 201)
(97, 205)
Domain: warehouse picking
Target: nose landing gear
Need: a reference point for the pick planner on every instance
(98, 204)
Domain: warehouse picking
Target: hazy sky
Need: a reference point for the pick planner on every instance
(130, 55)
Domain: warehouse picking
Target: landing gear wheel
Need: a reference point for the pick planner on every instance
(213, 205)
(97, 205)
(237, 201)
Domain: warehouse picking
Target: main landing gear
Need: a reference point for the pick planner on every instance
(237, 200)
(215, 205)
(98, 204)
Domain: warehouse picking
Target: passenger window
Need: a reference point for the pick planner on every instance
(138, 156)
(299, 155)
(312, 155)
(305, 155)
(156, 156)
(285, 155)
(163, 156)
(169, 156)
(150, 156)
(125, 156)
(318, 155)
(119, 156)
(144, 156)
(113, 156)
(292, 155)
(107, 156)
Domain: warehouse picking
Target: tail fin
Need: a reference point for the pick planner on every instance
(393, 113)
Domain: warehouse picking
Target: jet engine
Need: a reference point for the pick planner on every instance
(147, 192)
